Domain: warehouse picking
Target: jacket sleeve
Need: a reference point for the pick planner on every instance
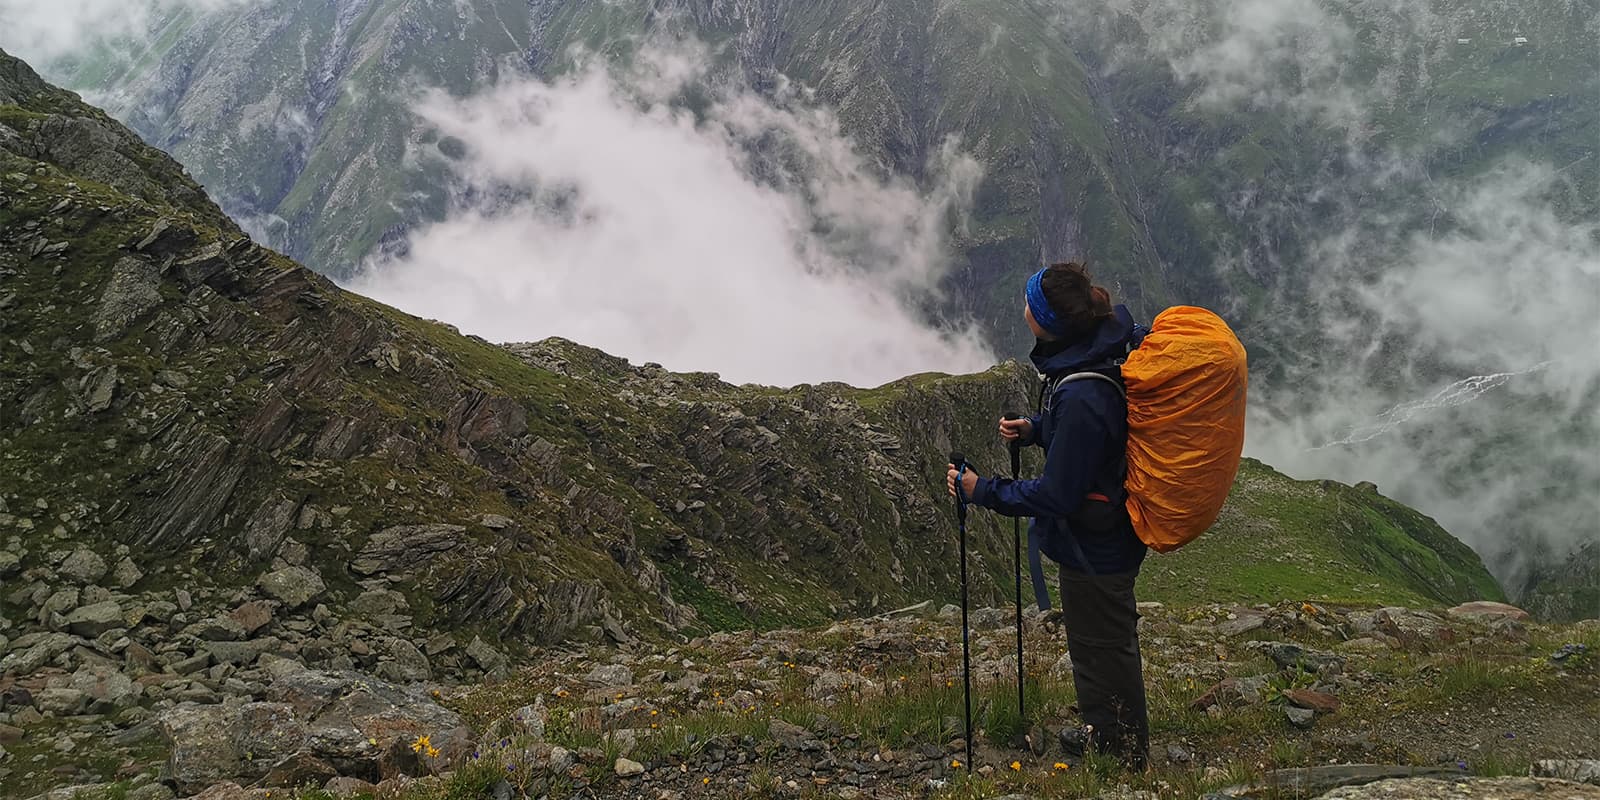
(1033, 431)
(1077, 448)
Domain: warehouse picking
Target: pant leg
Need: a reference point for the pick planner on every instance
(1102, 619)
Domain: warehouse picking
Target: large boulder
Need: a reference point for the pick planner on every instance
(1488, 611)
(92, 620)
(25, 658)
(353, 720)
(292, 586)
(106, 689)
(202, 747)
(83, 567)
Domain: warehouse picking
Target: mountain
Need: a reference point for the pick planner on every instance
(1568, 589)
(1392, 203)
(173, 387)
(1117, 132)
(248, 519)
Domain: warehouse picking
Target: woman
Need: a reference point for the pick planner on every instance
(1078, 503)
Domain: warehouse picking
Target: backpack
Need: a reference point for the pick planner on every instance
(1185, 384)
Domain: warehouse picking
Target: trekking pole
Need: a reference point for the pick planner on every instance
(960, 463)
(1016, 555)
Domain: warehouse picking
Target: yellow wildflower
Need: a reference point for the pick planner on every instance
(1063, 765)
(955, 763)
(420, 744)
(1016, 766)
(433, 752)
(705, 781)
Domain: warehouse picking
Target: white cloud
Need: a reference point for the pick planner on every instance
(753, 241)
(43, 31)
(1462, 375)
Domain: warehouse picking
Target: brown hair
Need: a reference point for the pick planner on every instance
(1077, 302)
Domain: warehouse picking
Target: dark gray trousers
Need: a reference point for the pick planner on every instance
(1102, 638)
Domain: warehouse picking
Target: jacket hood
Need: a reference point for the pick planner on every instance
(1109, 342)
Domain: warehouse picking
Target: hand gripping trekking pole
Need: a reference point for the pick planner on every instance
(1016, 554)
(960, 463)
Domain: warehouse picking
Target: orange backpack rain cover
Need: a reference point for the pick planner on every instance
(1186, 406)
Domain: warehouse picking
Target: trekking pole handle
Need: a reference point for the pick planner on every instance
(1014, 444)
(959, 461)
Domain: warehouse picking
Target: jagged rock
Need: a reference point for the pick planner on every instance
(252, 616)
(1409, 625)
(983, 619)
(58, 604)
(378, 603)
(402, 661)
(241, 653)
(191, 665)
(1486, 611)
(351, 719)
(265, 735)
(264, 533)
(83, 567)
(201, 742)
(610, 675)
(830, 685)
(626, 768)
(61, 702)
(1465, 788)
(279, 667)
(1244, 622)
(292, 586)
(92, 620)
(217, 629)
(1231, 693)
(1063, 666)
(98, 390)
(106, 690)
(37, 654)
(401, 548)
(228, 790)
(132, 291)
(150, 791)
(1314, 781)
(793, 736)
(492, 662)
(139, 659)
(1292, 656)
(126, 574)
(345, 786)
(1585, 770)
(1320, 702)
(532, 719)
(10, 564)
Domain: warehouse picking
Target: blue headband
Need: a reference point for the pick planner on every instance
(1040, 307)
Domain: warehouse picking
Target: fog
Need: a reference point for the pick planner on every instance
(751, 239)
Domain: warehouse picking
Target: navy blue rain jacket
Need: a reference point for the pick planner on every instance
(1084, 434)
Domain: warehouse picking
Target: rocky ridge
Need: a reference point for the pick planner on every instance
(1304, 700)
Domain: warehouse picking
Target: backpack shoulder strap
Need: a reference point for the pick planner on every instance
(1088, 376)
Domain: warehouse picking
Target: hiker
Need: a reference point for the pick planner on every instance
(1077, 505)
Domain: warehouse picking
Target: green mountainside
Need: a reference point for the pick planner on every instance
(262, 537)
(171, 387)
